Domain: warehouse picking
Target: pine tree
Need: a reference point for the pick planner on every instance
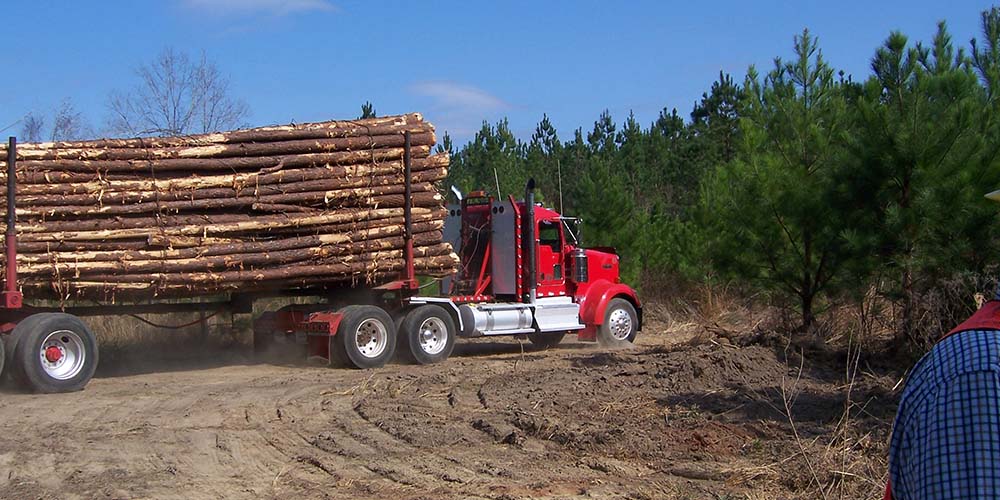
(715, 120)
(494, 156)
(674, 172)
(602, 138)
(632, 163)
(772, 223)
(367, 111)
(445, 146)
(923, 156)
(543, 159)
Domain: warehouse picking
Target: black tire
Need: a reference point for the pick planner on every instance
(620, 322)
(10, 346)
(546, 340)
(364, 321)
(13, 371)
(428, 323)
(67, 335)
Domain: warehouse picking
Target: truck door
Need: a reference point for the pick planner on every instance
(551, 272)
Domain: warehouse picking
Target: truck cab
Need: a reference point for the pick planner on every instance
(525, 271)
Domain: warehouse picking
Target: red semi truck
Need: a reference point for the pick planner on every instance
(523, 272)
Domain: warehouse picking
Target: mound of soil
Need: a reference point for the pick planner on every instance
(619, 404)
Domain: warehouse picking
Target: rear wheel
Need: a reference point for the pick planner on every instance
(620, 322)
(366, 337)
(10, 346)
(55, 352)
(546, 340)
(427, 335)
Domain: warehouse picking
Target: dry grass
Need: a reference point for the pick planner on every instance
(849, 462)
(700, 312)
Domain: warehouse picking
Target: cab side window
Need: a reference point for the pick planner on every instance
(549, 235)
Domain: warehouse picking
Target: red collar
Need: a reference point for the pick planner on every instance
(986, 318)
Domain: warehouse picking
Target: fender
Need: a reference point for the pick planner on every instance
(595, 300)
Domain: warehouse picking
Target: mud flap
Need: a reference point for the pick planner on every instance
(318, 350)
(587, 334)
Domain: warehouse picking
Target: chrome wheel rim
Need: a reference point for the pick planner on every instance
(620, 324)
(372, 337)
(62, 354)
(433, 336)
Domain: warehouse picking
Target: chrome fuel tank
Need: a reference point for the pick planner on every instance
(495, 319)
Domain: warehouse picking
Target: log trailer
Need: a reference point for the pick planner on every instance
(523, 272)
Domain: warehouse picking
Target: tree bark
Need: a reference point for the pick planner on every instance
(91, 184)
(255, 225)
(387, 196)
(202, 248)
(373, 126)
(113, 195)
(375, 261)
(349, 276)
(223, 164)
(241, 150)
(208, 263)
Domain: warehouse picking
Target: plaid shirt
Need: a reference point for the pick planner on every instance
(946, 437)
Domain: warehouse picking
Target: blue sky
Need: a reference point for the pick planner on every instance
(458, 62)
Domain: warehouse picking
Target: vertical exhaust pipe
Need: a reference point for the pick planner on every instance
(530, 257)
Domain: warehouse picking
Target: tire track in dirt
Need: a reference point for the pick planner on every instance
(563, 423)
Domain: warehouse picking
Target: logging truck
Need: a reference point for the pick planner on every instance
(523, 272)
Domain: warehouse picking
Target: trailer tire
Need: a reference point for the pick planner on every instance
(546, 340)
(10, 345)
(620, 322)
(55, 353)
(366, 337)
(427, 335)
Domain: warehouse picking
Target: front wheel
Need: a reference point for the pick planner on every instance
(366, 337)
(427, 335)
(55, 352)
(620, 323)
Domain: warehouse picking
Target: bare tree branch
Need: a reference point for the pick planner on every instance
(31, 127)
(67, 125)
(176, 96)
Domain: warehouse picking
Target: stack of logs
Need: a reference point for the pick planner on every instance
(264, 209)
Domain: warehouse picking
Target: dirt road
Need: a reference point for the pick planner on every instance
(495, 421)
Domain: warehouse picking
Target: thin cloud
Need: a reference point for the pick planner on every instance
(266, 7)
(457, 108)
(456, 96)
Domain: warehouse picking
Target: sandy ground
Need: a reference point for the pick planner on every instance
(499, 420)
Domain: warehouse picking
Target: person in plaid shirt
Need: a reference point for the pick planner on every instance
(946, 437)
